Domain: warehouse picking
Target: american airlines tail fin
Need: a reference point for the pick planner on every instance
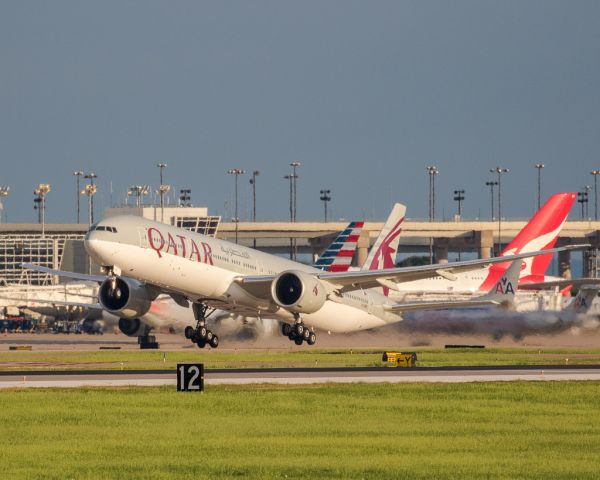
(338, 256)
(505, 288)
(540, 233)
(383, 252)
(583, 300)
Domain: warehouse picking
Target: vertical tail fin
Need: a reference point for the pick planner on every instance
(504, 290)
(541, 232)
(338, 256)
(583, 300)
(383, 252)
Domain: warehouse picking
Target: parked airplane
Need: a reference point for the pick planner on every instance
(143, 259)
(540, 233)
(498, 323)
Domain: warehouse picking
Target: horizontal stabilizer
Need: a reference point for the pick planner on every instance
(410, 307)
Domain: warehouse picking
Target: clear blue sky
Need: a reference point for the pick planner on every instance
(363, 94)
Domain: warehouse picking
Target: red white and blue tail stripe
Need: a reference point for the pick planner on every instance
(338, 256)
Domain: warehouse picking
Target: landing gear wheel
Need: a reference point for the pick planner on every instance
(202, 332)
(209, 336)
(306, 334)
(189, 332)
(286, 329)
(214, 341)
(298, 341)
(201, 343)
(299, 329)
(312, 338)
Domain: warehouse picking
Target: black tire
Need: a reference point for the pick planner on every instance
(201, 344)
(209, 336)
(286, 329)
(292, 336)
(306, 334)
(299, 329)
(195, 338)
(312, 338)
(298, 341)
(202, 331)
(189, 332)
(214, 341)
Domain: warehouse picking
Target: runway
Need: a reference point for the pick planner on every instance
(290, 376)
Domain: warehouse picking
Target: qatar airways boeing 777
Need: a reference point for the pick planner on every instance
(143, 258)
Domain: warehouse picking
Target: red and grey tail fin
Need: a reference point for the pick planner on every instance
(540, 233)
(338, 256)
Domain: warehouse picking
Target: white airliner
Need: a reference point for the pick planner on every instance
(143, 259)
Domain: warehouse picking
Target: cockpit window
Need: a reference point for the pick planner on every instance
(104, 228)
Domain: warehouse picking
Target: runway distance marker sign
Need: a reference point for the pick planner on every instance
(190, 377)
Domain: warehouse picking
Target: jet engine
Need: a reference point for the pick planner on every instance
(125, 298)
(298, 292)
(133, 327)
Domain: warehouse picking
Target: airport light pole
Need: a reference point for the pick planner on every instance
(236, 172)
(290, 177)
(138, 191)
(582, 198)
(294, 165)
(539, 167)
(185, 197)
(4, 191)
(432, 170)
(89, 191)
(499, 171)
(492, 185)
(325, 197)
(459, 197)
(78, 174)
(91, 177)
(255, 174)
(162, 190)
(595, 173)
(587, 203)
(41, 191)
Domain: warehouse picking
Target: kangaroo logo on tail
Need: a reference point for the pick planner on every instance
(541, 232)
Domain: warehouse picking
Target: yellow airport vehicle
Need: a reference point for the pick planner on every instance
(400, 359)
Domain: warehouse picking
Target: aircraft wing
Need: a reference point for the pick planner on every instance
(411, 307)
(576, 282)
(65, 274)
(259, 286)
(347, 281)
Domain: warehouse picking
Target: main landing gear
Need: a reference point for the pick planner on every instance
(201, 335)
(298, 333)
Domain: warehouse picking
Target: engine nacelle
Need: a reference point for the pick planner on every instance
(126, 298)
(133, 327)
(298, 292)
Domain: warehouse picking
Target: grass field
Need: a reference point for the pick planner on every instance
(276, 358)
(482, 430)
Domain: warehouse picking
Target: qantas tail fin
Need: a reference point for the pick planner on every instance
(338, 256)
(383, 252)
(540, 233)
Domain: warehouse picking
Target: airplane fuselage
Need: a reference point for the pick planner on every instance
(205, 270)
